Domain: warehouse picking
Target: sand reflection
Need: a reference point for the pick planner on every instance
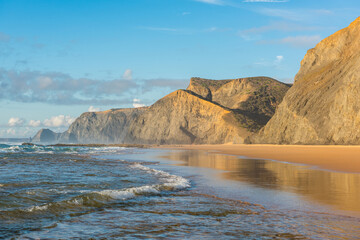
(341, 190)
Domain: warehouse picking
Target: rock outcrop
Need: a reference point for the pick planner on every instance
(184, 118)
(256, 95)
(209, 111)
(45, 136)
(323, 106)
(109, 126)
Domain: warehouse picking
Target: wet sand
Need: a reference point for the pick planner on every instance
(275, 184)
(334, 158)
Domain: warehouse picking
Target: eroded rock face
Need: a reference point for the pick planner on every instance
(183, 118)
(323, 106)
(45, 136)
(209, 111)
(102, 127)
(256, 95)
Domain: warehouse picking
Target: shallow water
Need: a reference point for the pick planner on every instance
(55, 192)
(334, 190)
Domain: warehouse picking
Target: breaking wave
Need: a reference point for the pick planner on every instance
(5, 148)
(167, 183)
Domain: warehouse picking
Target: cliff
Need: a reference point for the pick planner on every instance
(183, 118)
(323, 106)
(109, 126)
(209, 111)
(45, 136)
(256, 95)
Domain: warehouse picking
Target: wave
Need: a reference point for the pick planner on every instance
(171, 181)
(168, 183)
(4, 145)
(4, 148)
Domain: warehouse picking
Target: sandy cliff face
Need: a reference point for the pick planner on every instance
(182, 117)
(209, 111)
(256, 95)
(323, 106)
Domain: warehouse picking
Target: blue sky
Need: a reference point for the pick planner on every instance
(61, 58)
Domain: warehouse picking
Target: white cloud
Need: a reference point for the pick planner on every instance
(17, 127)
(93, 109)
(271, 63)
(212, 29)
(137, 104)
(127, 74)
(250, 37)
(302, 41)
(296, 41)
(279, 59)
(282, 13)
(19, 132)
(214, 2)
(28, 132)
(280, 26)
(266, 1)
(23, 86)
(44, 82)
(308, 15)
(59, 121)
(34, 123)
(16, 122)
(11, 131)
(253, 34)
(216, 29)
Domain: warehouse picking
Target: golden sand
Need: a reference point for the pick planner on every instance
(335, 158)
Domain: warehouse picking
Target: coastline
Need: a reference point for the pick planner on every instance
(339, 158)
(327, 157)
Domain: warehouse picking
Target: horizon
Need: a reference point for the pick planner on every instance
(60, 59)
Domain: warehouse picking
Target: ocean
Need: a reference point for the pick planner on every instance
(115, 193)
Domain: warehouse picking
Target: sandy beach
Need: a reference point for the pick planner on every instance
(334, 158)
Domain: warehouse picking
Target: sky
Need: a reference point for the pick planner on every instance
(60, 58)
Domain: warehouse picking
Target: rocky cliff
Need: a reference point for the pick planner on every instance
(109, 126)
(183, 118)
(45, 136)
(256, 95)
(323, 106)
(209, 111)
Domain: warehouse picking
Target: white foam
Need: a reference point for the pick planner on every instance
(169, 180)
(77, 201)
(59, 149)
(169, 183)
(39, 208)
(97, 150)
(130, 192)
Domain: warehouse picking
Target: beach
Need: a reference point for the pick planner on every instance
(119, 192)
(331, 157)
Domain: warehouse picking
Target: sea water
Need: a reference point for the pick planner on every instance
(112, 192)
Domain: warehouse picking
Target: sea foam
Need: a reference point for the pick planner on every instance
(169, 182)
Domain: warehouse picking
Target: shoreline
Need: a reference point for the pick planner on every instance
(337, 158)
(89, 145)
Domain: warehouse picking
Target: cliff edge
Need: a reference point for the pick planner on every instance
(208, 111)
(323, 106)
